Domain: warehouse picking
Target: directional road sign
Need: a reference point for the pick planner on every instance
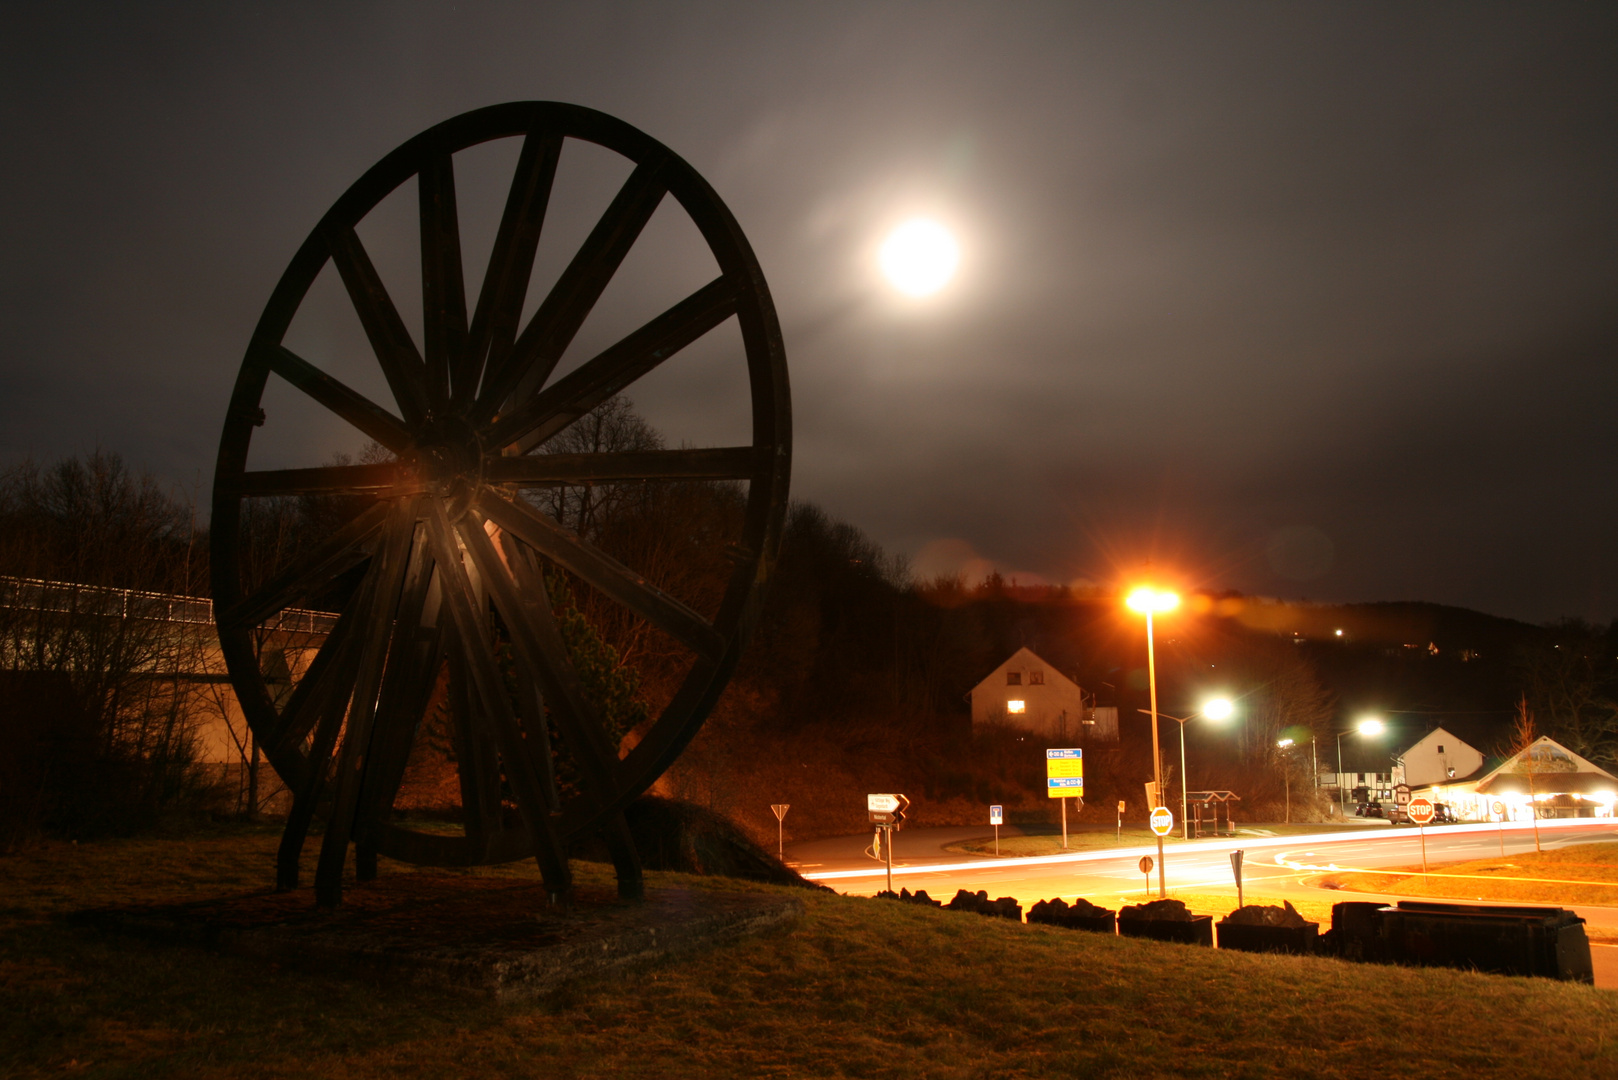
(1420, 810)
(1064, 773)
(886, 809)
(1162, 820)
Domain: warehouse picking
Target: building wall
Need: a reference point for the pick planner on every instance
(1051, 704)
(1435, 754)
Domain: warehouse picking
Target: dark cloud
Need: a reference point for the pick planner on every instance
(1242, 284)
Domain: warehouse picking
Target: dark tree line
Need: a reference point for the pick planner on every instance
(856, 678)
(96, 727)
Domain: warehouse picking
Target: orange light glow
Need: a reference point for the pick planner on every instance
(1015, 706)
(1148, 600)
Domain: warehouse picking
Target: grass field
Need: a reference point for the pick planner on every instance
(859, 987)
(1580, 874)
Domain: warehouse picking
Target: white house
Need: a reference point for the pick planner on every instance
(1438, 757)
(1026, 692)
(1546, 780)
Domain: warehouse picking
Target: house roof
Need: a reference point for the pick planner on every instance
(1553, 769)
(1023, 658)
(1448, 737)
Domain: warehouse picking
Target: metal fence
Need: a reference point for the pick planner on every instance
(71, 598)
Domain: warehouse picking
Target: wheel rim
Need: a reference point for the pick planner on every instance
(441, 543)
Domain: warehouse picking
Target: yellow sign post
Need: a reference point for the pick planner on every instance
(1064, 778)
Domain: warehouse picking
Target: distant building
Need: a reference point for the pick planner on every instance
(1438, 757)
(1027, 693)
(1546, 780)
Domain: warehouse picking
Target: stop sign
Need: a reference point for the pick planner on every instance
(1420, 810)
(1162, 820)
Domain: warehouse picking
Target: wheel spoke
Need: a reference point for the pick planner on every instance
(407, 685)
(331, 672)
(387, 574)
(535, 470)
(443, 289)
(543, 415)
(303, 577)
(540, 650)
(358, 410)
(390, 340)
(603, 572)
(478, 764)
(384, 478)
(511, 264)
(491, 691)
(570, 301)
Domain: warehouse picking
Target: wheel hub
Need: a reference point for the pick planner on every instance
(449, 462)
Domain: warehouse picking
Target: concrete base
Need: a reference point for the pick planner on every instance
(484, 935)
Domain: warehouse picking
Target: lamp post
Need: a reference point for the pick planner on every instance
(1148, 601)
(1215, 709)
(1369, 726)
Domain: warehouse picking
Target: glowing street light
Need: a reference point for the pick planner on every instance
(1219, 708)
(1369, 727)
(1149, 601)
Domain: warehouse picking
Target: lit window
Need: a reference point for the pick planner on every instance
(1013, 678)
(1036, 678)
(1016, 706)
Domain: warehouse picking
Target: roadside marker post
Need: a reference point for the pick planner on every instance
(780, 809)
(1420, 811)
(1236, 868)
(1120, 836)
(996, 816)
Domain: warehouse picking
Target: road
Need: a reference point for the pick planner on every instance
(1276, 866)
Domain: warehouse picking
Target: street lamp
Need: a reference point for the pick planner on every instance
(1215, 709)
(1149, 601)
(1370, 726)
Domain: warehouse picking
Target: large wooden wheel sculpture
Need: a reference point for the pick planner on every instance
(441, 567)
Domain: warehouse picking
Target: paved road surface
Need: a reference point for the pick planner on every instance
(1278, 866)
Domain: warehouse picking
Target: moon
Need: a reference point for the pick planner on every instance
(919, 257)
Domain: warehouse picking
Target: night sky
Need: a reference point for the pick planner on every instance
(1306, 300)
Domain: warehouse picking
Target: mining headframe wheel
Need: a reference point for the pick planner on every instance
(442, 558)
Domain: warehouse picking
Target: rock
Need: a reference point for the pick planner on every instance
(1267, 915)
(1006, 907)
(1159, 910)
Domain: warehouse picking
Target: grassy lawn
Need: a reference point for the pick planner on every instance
(859, 987)
(1545, 877)
(1093, 838)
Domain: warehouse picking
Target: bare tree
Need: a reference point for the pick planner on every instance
(92, 554)
(1570, 680)
(1520, 743)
